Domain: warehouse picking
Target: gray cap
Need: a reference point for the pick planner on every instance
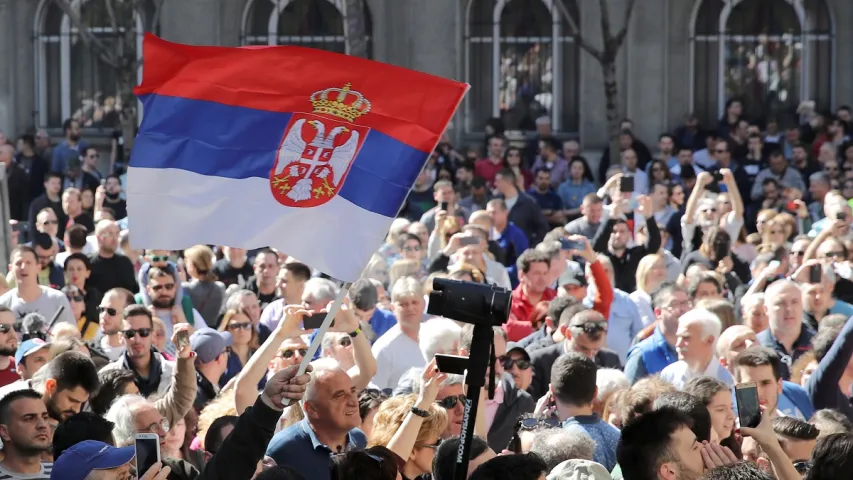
(577, 469)
(208, 344)
(573, 275)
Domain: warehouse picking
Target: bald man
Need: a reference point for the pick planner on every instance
(109, 269)
(787, 333)
(732, 341)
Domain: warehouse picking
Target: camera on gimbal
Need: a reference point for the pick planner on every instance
(469, 302)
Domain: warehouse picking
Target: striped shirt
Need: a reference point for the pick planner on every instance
(43, 475)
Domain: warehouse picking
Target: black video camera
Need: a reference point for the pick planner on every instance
(469, 302)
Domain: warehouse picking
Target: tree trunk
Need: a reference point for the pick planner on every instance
(355, 28)
(611, 95)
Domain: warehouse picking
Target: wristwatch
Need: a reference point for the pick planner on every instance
(421, 413)
(355, 333)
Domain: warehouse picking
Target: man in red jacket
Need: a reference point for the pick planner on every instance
(533, 266)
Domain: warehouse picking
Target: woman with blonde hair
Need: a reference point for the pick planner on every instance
(773, 235)
(763, 217)
(411, 425)
(245, 340)
(651, 273)
(206, 293)
(445, 227)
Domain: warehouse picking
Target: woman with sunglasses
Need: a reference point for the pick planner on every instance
(411, 425)
(78, 305)
(239, 325)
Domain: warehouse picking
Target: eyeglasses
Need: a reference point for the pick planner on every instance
(163, 424)
(345, 341)
(799, 253)
(412, 249)
(110, 311)
(450, 402)
(429, 445)
(291, 351)
(158, 259)
(168, 286)
(591, 327)
(6, 328)
(712, 210)
(508, 362)
(130, 333)
(240, 326)
(74, 298)
(833, 255)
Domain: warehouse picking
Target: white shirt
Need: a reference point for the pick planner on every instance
(395, 354)
(113, 353)
(679, 374)
(643, 301)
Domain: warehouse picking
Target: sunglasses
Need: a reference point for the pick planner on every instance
(50, 222)
(345, 341)
(74, 298)
(834, 255)
(430, 445)
(110, 311)
(530, 423)
(130, 333)
(240, 326)
(591, 327)
(450, 402)
(799, 254)
(292, 351)
(6, 328)
(158, 259)
(508, 362)
(168, 286)
(712, 210)
(802, 466)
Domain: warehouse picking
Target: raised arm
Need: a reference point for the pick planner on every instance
(365, 363)
(734, 192)
(702, 180)
(404, 440)
(180, 396)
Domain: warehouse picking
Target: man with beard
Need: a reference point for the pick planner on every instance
(660, 445)
(109, 268)
(64, 384)
(25, 432)
(153, 373)
(263, 283)
(71, 147)
(8, 347)
(112, 197)
(162, 289)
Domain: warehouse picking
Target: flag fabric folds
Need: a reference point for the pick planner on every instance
(306, 151)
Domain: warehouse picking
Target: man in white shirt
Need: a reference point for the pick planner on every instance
(28, 296)
(697, 334)
(398, 350)
(110, 311)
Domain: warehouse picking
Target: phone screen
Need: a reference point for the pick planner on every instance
(147, 453)
(451, 363)
(815, 272)
(626, 184)
(182, 338)
(748, 412)
(465, 241)
(443, 206)
(566, 244)
(314, 321)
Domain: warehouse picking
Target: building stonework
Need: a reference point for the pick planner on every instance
(674, 60)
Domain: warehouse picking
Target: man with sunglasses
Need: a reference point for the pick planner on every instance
(8, 347)
(153, 374)
(517, 363)
(112, 304)
(585, 332)
(164, 295)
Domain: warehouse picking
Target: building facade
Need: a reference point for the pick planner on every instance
(519, 56)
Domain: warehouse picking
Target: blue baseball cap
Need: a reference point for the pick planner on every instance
(77, 462)
(29, 347)
(208, 343)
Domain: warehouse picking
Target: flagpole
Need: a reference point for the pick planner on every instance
(327, 322)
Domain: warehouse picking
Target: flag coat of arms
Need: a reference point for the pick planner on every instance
(307, 151)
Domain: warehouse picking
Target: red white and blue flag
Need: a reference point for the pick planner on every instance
(307, 151)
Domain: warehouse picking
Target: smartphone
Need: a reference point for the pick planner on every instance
(748, 412)
(182, 339)
(469, 240)
(315, 321)
(626, 184)
(444, 206)
(815, 272)
(147, 451)
(566, 244)
(451, 363)
(718, 177)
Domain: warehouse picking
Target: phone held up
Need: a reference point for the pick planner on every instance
(182, 339)
(626, 184)
(748, 410)
(315, 321)
(147, 451)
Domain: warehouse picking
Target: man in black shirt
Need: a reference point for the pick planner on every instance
(112, 197)
(51, 198)
(234, 268)
(263, 283)
(614, 236)
(73, 207)
(110, 269)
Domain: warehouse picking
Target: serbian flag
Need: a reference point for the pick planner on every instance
(307, 151)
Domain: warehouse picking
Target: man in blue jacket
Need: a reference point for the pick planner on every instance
(655, 353)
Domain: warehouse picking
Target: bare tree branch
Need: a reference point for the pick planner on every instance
(158, 10)
(605, 22)
(576, 33)
(85, 34)
(620, 37)
(111, 14)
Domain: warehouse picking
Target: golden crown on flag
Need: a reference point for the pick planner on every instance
(340, 102)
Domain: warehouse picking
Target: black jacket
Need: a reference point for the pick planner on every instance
(625, 267)
(245, 446)
(527, 215)
(516, 403)
(544, 358)
(19, 192)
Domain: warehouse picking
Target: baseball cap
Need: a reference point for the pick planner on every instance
(208, 343)
(77, 462)
(573, 275)
(510, 346)
(577, 469)
(29, 347)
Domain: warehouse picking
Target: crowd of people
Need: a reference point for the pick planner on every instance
(644, 292)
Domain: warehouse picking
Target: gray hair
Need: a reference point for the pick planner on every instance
(710, 323)
(330, 339)
(406, 287)
(439, 335)
(321, 368)
(319, 290)
(556, 445)
(609, 381)
(819, 177)
(752, 299)
(122, 413)
(235, 300)
(552, 249)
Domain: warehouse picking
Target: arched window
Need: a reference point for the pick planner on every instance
(522, 64)
(71, 79)
(770, 54)
(307, 23)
